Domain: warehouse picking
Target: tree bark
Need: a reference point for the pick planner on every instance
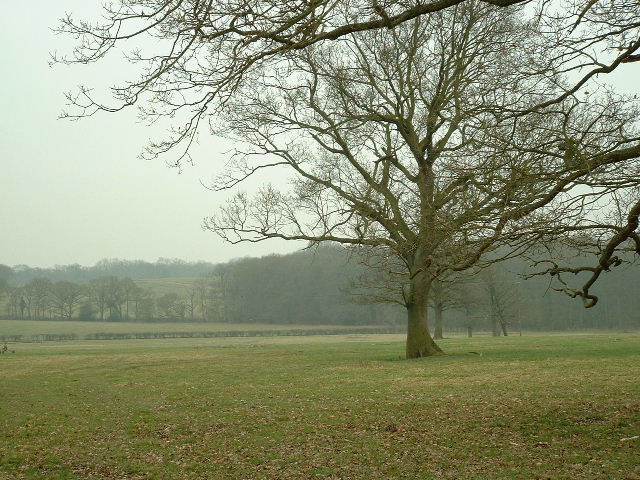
(419, 341)
(437, 333)
(495, 326)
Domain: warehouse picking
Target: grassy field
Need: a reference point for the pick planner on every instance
(33, 327)
(546, 407)
(160, 286)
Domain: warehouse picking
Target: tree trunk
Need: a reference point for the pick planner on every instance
(419, 341)
(135, 308)
(469, 331)
(437, 333)
(504, 328)
(495, 326)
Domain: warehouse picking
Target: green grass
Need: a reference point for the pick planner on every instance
(529, 407)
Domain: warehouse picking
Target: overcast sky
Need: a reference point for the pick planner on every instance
(75, 192)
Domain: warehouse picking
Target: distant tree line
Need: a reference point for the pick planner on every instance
(316, 287)
(138, 269)
(309, 286)
(302, 288)
(500, 300)
(105, 299)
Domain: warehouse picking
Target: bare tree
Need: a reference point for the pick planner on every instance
(6, 273)
(131, 292)
(200, 297)
(426, 143)
(202, 289)
(445, 295)
(66, 296)
(469, 304)
(116, 297)
(499, 298)
(112, 293)
(240, 36)
(38, 290)
(212, 48)
(452, 135)
(190, 301)
(35, 297)
(27, 301)
(171, 306)
(15, 303)
(98, 291)
(222, 300)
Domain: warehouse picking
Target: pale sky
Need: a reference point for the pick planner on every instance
(75, 192)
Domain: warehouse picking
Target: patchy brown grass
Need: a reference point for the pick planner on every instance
(545, 407)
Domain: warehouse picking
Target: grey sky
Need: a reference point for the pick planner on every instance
(75, 192)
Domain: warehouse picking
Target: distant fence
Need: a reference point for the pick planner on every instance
(49, 337)
(12, 338)
(39, 337)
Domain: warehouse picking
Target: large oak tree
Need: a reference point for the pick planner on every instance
(427, 144)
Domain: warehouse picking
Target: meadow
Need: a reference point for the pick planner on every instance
(160, 286)
(82, 329)
(326, 407)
